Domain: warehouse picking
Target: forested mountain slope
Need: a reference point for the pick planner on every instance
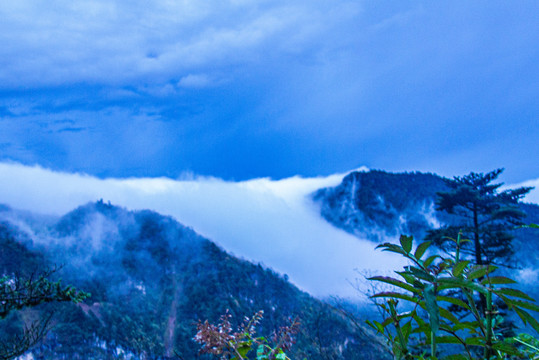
(379, 206)
(151, 279)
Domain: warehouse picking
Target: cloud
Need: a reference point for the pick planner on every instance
(194, 81)
(528, 276)
(115, 42)
(304, 86)
(533, 195)
(263, 220)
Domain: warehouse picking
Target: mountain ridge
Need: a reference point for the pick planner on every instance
(152, 278)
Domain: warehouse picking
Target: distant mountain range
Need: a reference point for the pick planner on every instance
(151, 278)
(379, 205)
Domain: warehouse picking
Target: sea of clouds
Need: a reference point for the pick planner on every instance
(274, 222)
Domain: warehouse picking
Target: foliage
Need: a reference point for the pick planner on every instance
(219, 340)
(17, 293)
(151, 278)
(416, 333)
(23, 289)
(483, 214)
(530, 346)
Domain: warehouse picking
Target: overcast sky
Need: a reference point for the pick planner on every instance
(244, 89)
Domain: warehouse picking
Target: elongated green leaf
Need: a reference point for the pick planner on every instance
(506, 348)
(459, 267)
(456, 357)
(395, 282)
(448, 315)
(479, 341)
(422, 325)
(469, 325)
(513, 293)
(410, 279)
(498, 280)
(421, 248)
(454, 301)
(430, 260)
(420, 329)
(395, 295)
(387, 321)
(479, 271)
(374, 324)
(527, 318)
(421, 274)
(521, 315)
(506, 300)
(406, 243)
(392, 248)
(452, 282)
(407, 330)
(432, 308)
(447, 340)
(525, 305)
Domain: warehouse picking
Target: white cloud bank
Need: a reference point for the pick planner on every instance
(263, 220)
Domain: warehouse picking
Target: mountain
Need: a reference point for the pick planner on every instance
(151, 279)
(379, 206)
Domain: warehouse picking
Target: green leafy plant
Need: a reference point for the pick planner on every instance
(17, 293)
(424, 286)
(221, 341)
(530, 345)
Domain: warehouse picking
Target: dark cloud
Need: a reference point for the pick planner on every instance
(241, 89)
(71, 129)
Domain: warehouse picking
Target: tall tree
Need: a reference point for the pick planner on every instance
(483, 214)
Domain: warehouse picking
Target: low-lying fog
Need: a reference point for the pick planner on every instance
(263, 220)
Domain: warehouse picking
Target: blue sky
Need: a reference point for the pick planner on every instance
(244, 89)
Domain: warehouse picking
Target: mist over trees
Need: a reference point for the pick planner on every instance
(152, 279)
(22, 287)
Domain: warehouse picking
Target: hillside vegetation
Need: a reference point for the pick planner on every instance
(151, 280)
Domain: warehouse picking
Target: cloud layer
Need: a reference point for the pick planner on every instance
(262, 220)
(116, 42)
(273, 222)
(241, 90)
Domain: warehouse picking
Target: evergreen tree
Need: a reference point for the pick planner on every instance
(482, 214)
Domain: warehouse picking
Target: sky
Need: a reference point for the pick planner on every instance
(242, 90)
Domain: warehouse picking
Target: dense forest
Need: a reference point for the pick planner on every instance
(151, 279)
(367, 203)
